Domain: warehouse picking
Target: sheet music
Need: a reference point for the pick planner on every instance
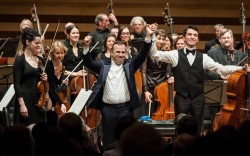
(80, 101)
(7, 97)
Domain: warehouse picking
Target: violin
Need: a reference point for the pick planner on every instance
(64, 96)
(44, 102)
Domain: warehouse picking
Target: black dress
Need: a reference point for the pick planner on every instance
(26, 79)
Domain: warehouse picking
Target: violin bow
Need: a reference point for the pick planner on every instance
(78, 64)
(4, 42)
(3, 46)
(53, 40)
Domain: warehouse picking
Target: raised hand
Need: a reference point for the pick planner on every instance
(151, 28)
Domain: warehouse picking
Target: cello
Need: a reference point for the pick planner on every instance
(164, 92)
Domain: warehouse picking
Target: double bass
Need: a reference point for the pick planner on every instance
(164, 91)
(236, 109)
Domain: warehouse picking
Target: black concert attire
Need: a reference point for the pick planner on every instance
(70, 61)
(212, 44)
(98, 36)
(26, 79)
(138, 40)
(54, 84)
(153, 73)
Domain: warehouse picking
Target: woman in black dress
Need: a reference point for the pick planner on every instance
(26, 75)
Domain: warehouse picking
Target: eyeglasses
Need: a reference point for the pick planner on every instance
(125, 33)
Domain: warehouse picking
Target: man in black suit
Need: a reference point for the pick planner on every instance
(215, 41)
(115, 93)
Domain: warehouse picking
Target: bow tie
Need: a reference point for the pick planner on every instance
(190, 51)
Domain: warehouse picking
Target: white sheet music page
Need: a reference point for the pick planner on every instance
(80, 101)
(7, 97)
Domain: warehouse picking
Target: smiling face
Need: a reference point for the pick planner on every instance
(191, 38)
(35, 45)
(227, 40)
(74, 35)
(110, 42)
(125, 35)
(160, 41)
(180, 43)
(118, 53)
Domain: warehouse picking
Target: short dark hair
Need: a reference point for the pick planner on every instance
(117, 43)
(194, 27)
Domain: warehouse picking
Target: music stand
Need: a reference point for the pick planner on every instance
(215, 92)
(10, 47)
(6, 74)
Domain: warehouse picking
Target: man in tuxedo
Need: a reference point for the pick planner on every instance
(115, 93)
(188, 69)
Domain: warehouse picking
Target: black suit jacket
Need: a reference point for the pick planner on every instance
(212, 43)
(102, 68)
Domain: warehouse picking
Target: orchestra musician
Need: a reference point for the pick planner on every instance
(215, 41)
(101, 32)
(74, 52)
(54, 70)
(225, 54)
(188, 69)
(153, 73)
(115, 93)
(109, 41)
(25, 23)
(73, 56)
(179, 42)
(124, 36)
(26, 75)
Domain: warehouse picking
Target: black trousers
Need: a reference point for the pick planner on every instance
(111, 113)
(192, 106)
